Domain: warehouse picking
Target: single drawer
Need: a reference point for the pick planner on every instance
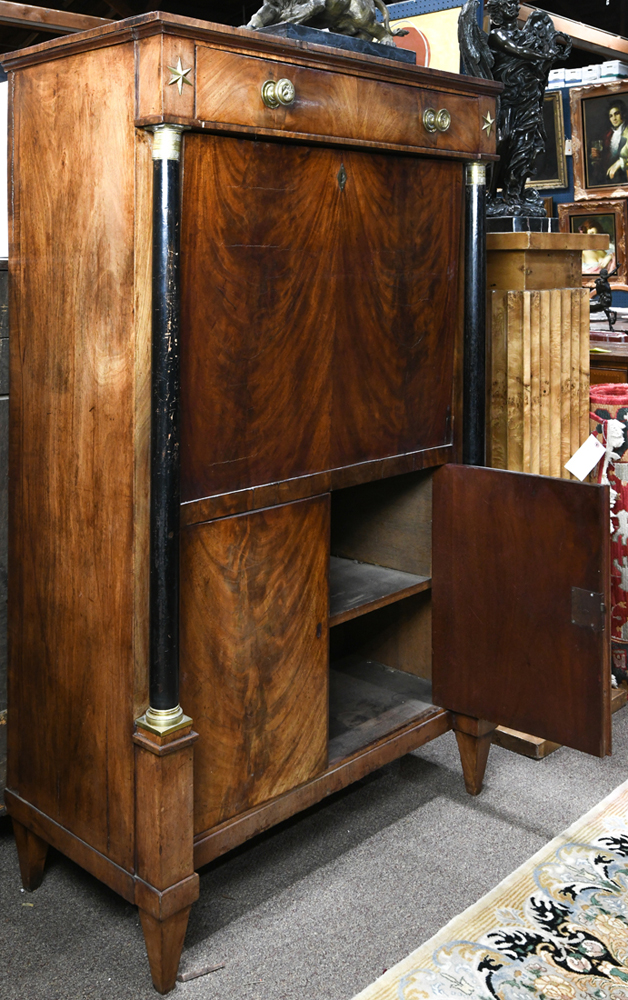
(335, 105)
(599, 375)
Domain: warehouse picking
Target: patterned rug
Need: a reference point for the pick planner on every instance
(556, 929)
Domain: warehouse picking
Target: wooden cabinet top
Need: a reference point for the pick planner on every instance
(210, 77)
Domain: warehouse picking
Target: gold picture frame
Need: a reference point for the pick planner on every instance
(596, 169)
(610, 217)
(551, 165)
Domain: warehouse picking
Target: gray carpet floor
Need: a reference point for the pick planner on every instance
(320, 906)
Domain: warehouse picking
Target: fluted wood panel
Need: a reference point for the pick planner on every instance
(539, 379)
(254, 611)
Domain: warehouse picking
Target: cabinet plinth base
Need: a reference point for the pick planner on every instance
(31, 852)
(474, 742)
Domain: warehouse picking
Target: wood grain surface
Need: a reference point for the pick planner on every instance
(398, 635)
(538, 408)
(254, 608)
(72, 600)
(533, 270)
(210, 844)
(31, 852)
(356, 589)
(224, 504)
(508, 549)
(330, 104)
(601, 374)
(43, 19)
(313, 384)
(387, 522)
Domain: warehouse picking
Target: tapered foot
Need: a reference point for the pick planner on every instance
(474, 742)
(164, 944)
(31, 853)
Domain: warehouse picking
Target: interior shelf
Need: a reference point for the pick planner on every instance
(368, 700)
(356, 588)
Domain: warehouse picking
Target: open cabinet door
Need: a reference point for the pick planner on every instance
(521, 599)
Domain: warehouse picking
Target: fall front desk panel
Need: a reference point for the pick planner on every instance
(319, 314)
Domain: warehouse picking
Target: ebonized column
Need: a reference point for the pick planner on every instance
(165, 714)
(474, 364)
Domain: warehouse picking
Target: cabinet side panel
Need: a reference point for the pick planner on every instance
(71, 504)
(254, 608)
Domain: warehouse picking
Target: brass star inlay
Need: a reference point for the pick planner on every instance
(179, 75)
(488, 123)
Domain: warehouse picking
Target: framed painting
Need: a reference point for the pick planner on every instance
(608, 217)
(551, 166)
(599, 125)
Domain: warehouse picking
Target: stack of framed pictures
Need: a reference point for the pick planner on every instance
(599, 132)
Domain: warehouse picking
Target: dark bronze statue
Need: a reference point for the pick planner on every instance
(357, 18)
(603, 298)
(521, 59)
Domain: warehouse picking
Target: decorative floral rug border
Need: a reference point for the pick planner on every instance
(556, 929)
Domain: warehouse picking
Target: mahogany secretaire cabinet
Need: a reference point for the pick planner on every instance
(245, 568)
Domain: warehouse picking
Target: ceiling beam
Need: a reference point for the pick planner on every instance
(58, 22)
(601, 43)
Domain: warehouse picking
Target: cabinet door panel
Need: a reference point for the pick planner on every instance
(254, 609)
(519, 639)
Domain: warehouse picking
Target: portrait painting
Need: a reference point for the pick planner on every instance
(550, 166)
(599, 218)
(600, 140)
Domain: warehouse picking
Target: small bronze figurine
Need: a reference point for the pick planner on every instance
(603, 298)
(357, 18)
(521, 59)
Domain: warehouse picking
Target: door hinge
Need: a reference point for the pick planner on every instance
(588, 609)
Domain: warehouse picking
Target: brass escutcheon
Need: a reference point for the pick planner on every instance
(278, 92)
(436, 121)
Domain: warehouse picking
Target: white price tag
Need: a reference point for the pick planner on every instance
(586, 458)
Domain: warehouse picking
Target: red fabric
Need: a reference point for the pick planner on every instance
(610, 402)
(609, 394)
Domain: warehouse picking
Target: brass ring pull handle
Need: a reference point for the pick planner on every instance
(278, 92)
(436, 121)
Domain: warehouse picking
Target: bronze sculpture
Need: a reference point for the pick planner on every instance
(521, 59)
(357, 18)
(603, 298)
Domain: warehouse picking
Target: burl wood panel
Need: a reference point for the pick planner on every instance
(324, 336)
(72, 602)
(538, 405)
(254, 609)
(508, 549)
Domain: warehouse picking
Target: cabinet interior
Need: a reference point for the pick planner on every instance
(380, 609)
